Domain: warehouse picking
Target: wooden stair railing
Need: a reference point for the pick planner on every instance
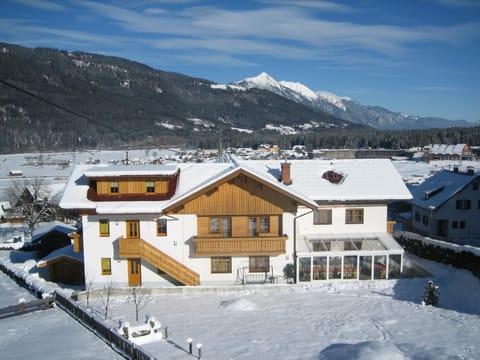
(138, 248)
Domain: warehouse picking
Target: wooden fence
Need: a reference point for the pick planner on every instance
(26, 307)
(117, 342)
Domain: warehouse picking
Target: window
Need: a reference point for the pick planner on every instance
(475, 186)
(258, 225)
(322, 217)
(106, 266)
(114, 187)
(104, 227)
(264, 224)
(259, 264)
(464, 204)
(425, 220)
(214, 225)
(221, 225)
(161, 227)
(150, 186)
(417, 216)
(458, 224)
(354, 216)
(221, 265)
(252, 227)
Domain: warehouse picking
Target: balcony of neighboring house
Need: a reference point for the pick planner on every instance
(240, 246)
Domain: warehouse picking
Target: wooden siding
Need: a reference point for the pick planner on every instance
(132, 186)
(390, 226)
(240, 195)
(249, 246)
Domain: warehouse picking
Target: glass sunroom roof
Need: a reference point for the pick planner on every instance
(338, 244)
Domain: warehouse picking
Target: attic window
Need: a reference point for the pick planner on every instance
(333, 177)
(431, 193)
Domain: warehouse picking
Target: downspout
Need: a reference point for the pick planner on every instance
(295, 242)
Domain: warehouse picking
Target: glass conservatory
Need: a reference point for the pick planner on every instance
(352, 257)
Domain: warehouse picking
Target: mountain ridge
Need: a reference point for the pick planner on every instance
(145, 103)
(345, 108)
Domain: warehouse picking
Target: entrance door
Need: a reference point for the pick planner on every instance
(133, 229)
(134, 272)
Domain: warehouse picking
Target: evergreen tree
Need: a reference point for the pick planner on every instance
(430, 295)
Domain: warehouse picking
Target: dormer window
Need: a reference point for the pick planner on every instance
(114, 187)
(333, 176)
(150, 186)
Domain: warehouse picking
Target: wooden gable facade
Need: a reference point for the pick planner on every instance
(238, 215)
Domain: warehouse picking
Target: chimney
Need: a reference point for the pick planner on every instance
(470, 170)
(455, 168)
(285, 175)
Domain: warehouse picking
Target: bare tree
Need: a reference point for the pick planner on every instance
(140, 298)
(105, 296)
(88, 291)
(33, 199)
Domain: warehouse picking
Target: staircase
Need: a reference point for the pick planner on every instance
(138, 248)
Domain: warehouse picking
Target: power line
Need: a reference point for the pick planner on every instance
(73, 112)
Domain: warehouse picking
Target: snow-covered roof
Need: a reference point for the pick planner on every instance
(51, 226)
(444, 149)
(364, 180)
(64, 252)
(437, 189)
(126, 170)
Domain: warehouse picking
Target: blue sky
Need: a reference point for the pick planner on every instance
(420, 57)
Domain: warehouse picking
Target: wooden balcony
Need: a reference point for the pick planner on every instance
(243, 246)
(138, 248)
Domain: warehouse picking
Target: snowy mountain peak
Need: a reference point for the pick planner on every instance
(261, 81)
(300, 89)
(292, 90)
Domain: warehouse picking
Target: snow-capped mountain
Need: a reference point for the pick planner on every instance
(344, 107)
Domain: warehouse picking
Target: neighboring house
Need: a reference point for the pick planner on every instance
(236, 223)
(52, 236)
(4, 207)
(448, 152)
(447, 205)
(65, 265)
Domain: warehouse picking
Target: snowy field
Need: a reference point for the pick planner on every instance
(336, 320)
(360, 320)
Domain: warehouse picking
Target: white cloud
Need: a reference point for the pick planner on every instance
(284, 29)
(41, 4)
(153, 11)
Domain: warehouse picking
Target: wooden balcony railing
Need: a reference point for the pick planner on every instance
(248, 246)
(138, 248)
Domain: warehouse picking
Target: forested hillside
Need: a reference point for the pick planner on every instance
(55, 100)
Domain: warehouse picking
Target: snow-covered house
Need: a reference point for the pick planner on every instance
(448, 152)
(237, 222)
(447, 205)
(51, 236)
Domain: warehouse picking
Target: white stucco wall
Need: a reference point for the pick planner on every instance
(178, 242)
(374, 220)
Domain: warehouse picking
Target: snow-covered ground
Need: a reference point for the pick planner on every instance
(332, 320)
(336, 320)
